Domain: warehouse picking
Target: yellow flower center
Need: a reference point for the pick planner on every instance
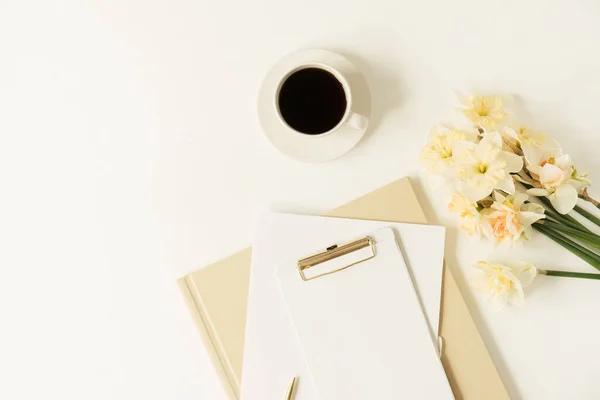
(446, 153)
(482, 168)
(551, 160)
(482, 108)
(465, 214)
(498, 283)
(442, 147)
(509, 204)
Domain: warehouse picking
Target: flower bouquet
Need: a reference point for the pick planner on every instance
(507, 182)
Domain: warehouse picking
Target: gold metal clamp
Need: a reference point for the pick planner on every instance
(333, 252)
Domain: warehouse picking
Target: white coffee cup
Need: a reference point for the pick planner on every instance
(350, 118)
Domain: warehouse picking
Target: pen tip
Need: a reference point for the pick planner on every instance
(290, 392)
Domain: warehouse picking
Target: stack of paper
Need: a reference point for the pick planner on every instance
(385, 326)
(217, 298)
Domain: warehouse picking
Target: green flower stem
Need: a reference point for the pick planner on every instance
(590, 239)
(566, 274)
(591, 217)
(560, 218)
(581, 252)
(569, 242)
(567, 219)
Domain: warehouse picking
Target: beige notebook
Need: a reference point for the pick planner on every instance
(217, 298)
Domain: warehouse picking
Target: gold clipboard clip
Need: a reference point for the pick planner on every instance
(333, 252)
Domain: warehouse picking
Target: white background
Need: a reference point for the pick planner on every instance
(131, 154)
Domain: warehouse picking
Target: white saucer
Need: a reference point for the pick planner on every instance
(306, 148)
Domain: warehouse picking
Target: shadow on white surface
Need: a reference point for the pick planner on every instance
(387, 90)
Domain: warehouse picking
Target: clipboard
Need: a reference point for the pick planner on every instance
(360, 324)
(272, 351)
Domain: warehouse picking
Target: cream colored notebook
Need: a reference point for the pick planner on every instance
(217, 298)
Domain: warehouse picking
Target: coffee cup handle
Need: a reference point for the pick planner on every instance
(357, 121)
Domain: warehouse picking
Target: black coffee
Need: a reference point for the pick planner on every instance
(312, 101)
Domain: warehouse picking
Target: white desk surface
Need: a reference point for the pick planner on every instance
(131, 154)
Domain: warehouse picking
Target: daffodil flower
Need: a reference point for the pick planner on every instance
(471, 220)
(484, 166)
(525, 136)
(485, 111)
(558, 179)
(503, 284)
(525, 140)
(437, 154)
(511, 218)
(538, 151)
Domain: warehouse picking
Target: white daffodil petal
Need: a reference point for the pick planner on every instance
(482, 266)
(514, 163)
(532, 207)
(439, 130)
(552, 148)
(521, 179)
(472, 135)
(474, 193)
(527, 233)
(535, 170)
(530, 137)
(538, 192)
(508, 272)
(499, 197)
(492, 138)
(519, 199)
(507, 185)
(564, 162)
(525, 273)
(487, 152)
(486, 229)
(564, 198)
(509, 132)
(516, 297)
(551, 175)
(513, 228)
(462, 147)
(479, 282)
(533, 154)
(527, 217)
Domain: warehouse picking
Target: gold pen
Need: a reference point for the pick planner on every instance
(290, 392)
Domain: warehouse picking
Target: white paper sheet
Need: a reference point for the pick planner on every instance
(362, 330)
